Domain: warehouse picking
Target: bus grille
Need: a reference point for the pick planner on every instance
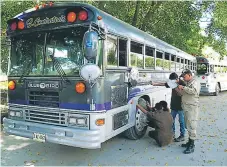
(49, 117)
(44, 99)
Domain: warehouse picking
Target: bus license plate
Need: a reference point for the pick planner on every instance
(39, 137)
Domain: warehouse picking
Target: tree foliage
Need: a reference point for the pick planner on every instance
(217, 28)
(176, 23)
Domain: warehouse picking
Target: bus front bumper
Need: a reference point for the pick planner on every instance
(206, 90)
(82, 138)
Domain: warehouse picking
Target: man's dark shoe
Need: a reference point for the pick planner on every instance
(186, 144)
(179, 139)
(190, 149)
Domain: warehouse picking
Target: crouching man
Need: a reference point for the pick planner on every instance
(161, 120)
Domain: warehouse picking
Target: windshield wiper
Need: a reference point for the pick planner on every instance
(59, 69)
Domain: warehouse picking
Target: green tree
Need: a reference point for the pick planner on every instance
(217, 27)
(9, 10)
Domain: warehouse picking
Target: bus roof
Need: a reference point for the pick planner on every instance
(118, 27)
(201, 59)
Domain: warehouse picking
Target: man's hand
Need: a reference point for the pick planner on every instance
(141, 108)
(180, 87)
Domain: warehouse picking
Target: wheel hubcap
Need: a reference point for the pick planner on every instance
(141, 120)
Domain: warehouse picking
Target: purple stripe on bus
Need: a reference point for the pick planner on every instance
(74, 106)
(18, 101)
(137, 91)
(98, 107)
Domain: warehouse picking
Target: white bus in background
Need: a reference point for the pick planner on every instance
(212, 75)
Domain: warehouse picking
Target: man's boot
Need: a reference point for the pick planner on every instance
(186, 144)
(190, 148)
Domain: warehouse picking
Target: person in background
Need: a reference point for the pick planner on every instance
(162, 121)
(190, 104)
(175, 106)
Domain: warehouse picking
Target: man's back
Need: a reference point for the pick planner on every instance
(175, 101)
(162, 121)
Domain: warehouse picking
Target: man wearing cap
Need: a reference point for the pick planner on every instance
(190, 104)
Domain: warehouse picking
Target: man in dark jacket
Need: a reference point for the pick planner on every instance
(162, 121)
(175, 106)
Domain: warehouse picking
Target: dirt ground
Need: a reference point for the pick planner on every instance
(211, 146)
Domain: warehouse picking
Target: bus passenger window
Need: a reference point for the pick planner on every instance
(194, 66)
(225, 69)
(159, 59)
(149, 57)
(186, 64)
(167, 61)
(189, 64)
(178, 64)
(173, 57)
(111, 51)
(122, 52)
(182, 63)
(222, 68)
(216, 68)
(136, 55)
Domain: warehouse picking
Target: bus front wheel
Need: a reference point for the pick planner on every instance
(140, 128)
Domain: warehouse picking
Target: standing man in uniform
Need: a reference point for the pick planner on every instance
(190, 104)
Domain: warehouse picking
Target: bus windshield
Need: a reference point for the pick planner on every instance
(202, 68)
(64, 45)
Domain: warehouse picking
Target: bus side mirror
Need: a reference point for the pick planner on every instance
(90, 44)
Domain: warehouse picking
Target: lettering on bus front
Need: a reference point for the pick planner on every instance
(37, 22)
(43, 85)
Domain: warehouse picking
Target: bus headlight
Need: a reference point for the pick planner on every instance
(79, 120)
(16, 113)
(12, 113)
(72, 120)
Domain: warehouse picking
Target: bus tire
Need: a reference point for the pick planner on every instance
(217, 90)
(135, 133)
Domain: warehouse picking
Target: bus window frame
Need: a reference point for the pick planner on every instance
(105, 63)
(153, 55)
(129, 54)
(124, 39)
(182, 63)
(174, 61)
(106, 57)
(178, 63)
(169, 60)
(162, 59)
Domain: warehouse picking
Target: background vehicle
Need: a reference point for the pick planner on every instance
(212, 75)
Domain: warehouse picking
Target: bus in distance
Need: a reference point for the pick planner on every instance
(212, 75)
